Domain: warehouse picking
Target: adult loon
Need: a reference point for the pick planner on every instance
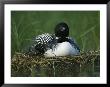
(58, 44)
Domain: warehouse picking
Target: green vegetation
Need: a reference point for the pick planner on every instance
(84, 27)
(25, 25)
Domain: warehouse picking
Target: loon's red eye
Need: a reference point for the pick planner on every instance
(63, 29)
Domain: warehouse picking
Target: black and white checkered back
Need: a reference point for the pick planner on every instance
(42, 43)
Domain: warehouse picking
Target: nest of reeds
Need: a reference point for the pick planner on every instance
(85, 64)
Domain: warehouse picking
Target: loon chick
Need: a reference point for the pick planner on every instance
(58, 44)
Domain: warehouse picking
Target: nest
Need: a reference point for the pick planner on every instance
(85, 64)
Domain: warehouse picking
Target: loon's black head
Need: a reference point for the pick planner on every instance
(62, 32)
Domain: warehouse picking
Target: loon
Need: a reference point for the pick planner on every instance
(58, 44)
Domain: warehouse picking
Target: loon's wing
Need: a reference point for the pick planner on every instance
(73, 42)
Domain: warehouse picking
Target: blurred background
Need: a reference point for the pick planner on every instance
(84, 27)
